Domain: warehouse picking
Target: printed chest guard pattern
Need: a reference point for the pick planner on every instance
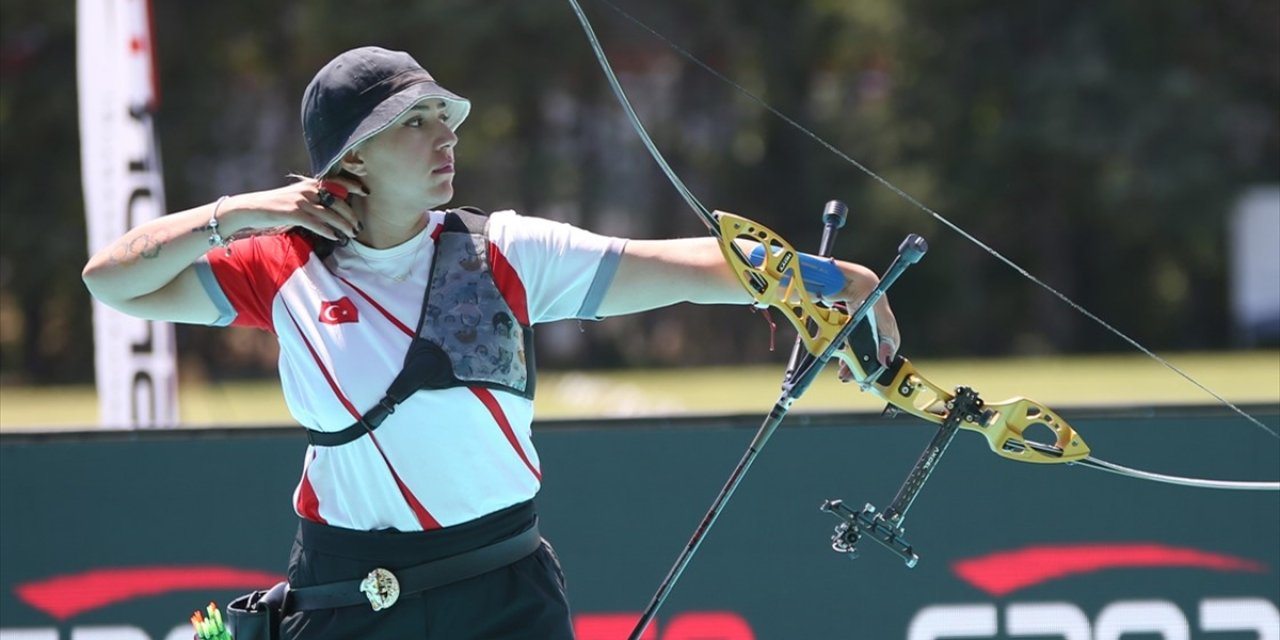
(466, 318)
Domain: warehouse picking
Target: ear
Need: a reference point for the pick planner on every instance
(353, 163)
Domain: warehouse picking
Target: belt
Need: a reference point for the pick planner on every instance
(382, 588)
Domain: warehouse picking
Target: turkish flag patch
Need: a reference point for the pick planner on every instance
(339, 311)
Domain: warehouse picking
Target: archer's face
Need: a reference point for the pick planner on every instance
(412, 160)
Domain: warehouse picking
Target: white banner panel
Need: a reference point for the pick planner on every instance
(120, 165)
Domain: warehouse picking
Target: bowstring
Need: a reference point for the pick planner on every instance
(901, 194)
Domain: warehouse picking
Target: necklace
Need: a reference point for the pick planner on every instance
(413, 261)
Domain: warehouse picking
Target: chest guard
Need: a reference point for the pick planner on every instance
(467, 334)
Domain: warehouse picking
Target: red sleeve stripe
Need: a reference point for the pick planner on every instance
(308, 503)
(491, 403)
(387, 314)
(333, 384)
(424, 517)
(509, 284)
(254, 273)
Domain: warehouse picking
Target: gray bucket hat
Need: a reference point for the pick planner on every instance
(360, 93)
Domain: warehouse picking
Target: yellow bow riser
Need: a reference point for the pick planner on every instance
(1002, 424)
(816, 324)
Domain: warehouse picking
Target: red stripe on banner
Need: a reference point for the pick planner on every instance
(387, 314)
(495, 409)
(333, 384)
(424, 517)
(67, 596)
(308, 502)
(1004, 572)
(509, 284)
(610, 626)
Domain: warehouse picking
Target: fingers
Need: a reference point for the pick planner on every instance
(887, 327)
(860, 282)
(343, 187)
(329, 191)
(329, 201)
(324, 222)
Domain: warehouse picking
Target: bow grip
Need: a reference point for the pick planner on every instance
(821, 276)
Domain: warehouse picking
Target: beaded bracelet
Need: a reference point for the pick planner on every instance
(215, 238)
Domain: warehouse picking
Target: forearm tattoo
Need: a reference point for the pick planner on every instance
(145, 246)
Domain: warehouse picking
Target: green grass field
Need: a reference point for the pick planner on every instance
(1060, 382)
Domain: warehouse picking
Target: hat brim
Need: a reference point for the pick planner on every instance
(389, 111)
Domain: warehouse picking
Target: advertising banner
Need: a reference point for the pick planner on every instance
(134, 359)
(122, 536)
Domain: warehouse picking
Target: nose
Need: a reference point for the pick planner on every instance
(447, 137)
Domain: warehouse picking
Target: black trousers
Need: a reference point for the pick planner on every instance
(524, 600)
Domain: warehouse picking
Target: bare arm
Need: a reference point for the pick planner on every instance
(148, 272)
(660, 273)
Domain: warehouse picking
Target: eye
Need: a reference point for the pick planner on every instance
(415, 121)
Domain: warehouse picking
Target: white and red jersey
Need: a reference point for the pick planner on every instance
(345, 323)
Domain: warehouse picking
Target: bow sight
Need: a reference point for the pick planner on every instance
(885, 527)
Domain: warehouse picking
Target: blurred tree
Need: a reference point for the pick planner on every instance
(1098, 145)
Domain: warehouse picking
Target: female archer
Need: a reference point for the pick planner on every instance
(417, 490)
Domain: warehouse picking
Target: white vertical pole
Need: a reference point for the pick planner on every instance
(135, 360)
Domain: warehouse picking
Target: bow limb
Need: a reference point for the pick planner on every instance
(698, 208)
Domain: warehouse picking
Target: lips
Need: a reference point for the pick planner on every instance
(448, 168)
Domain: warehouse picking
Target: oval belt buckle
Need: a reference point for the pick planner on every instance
(381, 588)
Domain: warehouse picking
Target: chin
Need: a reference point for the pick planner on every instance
(438, 197)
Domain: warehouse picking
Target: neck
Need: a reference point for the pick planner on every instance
(386, 224)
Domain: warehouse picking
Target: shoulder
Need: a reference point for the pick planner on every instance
(512, 225)
(280, 246)
(268, 258)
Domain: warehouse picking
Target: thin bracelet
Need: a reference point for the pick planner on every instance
(215, 238)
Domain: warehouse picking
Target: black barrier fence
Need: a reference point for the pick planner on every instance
(121, 535)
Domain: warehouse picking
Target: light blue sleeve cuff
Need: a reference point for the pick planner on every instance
(604, 277)
(226, 312)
